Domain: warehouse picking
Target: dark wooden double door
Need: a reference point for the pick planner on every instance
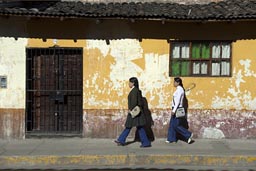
(54, 91)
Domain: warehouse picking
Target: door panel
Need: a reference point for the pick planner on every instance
(54, 91)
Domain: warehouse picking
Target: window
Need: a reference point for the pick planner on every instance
(3, 82)
(200, 58)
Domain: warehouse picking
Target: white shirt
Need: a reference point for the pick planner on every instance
(177, 100)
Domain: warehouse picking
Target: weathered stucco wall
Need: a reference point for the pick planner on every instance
(107, 69)
(106, 85)
(12, 98)
(219, 107)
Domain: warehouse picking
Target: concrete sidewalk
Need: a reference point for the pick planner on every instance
(83, 153)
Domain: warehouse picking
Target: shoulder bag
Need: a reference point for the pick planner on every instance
(180, 112)
(135, 111)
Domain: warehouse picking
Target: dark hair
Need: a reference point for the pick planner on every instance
(179, 80)
(135, 82)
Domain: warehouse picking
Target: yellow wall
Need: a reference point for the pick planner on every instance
(107, 68)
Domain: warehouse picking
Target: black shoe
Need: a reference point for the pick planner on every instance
(145, 146)
(119, 143)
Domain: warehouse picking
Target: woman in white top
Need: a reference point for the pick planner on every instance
(176, 127)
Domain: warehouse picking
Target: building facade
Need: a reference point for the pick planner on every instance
(65, 76)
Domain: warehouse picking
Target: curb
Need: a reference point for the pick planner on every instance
(125, 161)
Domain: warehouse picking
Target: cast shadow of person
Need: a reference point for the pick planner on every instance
(149, 122)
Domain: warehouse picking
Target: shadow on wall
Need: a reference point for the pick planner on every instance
(149, 122)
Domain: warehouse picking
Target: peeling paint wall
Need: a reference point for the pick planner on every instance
(108, 67)
(219, 100)
(106, 86)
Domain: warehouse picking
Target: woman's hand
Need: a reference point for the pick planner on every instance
(170, 111)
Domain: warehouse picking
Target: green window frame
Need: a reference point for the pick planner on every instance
(200, 58)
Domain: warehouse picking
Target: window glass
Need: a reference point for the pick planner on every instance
(196, 68)
(185, 50)
(195, 50)
(175, 68)
(225, 51)
(215, 69)
(204, 68)
(216, 51)
(185, 68)
(176, 51)
(3, 82)
(205, 51)
(225, 68)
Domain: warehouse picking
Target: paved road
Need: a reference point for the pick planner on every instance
(86, 153)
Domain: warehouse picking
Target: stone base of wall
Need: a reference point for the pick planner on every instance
(12, 123)
(109, 123)
(214, 124)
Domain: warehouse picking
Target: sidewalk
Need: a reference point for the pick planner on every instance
(86, 153)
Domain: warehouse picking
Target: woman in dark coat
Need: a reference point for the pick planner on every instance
(134, 99)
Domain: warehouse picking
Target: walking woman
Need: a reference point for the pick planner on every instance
(134, 99)
(176, 127)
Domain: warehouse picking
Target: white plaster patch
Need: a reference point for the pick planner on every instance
(213, 133)
(155, 77)
(251, 104)
(225, 103)
(195, 104)
(236, 99)
(98, 44)
(233, 92)
(247, 71)
(124, 51)
(239, 78)
(12, 65)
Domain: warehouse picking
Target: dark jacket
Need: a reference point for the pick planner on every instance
(134, 99)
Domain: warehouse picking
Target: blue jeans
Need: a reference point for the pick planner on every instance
(142, 134)
(176, 128)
